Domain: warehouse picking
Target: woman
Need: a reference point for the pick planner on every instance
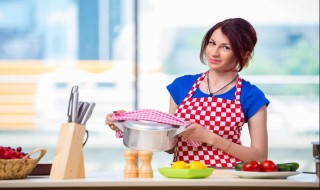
(218, 102)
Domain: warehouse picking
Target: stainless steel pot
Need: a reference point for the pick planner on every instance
(316, 149)
(145, 135)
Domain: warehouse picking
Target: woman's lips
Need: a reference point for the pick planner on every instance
(214, 61)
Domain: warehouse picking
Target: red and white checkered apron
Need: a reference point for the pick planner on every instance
(221, 116)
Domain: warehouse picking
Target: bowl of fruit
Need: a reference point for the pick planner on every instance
(183, 170)
(15, 164)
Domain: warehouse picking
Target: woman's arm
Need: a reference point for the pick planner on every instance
(258, 149)
(258, 134)
(172, 106)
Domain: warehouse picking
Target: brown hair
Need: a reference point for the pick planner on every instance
(241, 35)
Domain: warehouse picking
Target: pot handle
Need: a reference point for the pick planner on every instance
(177, 131)
(119, 125)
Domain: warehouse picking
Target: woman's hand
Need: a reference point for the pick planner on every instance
(196, 132)
(109, 120)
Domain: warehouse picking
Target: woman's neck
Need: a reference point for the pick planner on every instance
(217, 78)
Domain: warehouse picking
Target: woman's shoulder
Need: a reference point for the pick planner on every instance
(248, 86)
(180, 87)
(252, 99)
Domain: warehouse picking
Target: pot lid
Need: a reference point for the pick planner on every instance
(149, 125)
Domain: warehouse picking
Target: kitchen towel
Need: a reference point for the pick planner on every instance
(154, 116)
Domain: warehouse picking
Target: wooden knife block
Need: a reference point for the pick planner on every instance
(68, 160)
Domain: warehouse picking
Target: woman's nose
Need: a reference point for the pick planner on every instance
(214, 51)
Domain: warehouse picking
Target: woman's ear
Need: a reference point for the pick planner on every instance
(247, 56)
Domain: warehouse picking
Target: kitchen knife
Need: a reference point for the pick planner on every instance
(74, 113)
(88, 113)
(73, 89)
(82, 112)
(80, 107)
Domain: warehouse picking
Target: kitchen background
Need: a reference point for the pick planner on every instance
(47, 46)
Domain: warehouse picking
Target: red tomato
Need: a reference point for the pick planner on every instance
(252, 166)
(269, 166)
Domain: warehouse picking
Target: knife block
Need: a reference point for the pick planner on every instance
(68, 160)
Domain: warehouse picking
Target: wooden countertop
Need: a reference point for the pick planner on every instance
(218, 180)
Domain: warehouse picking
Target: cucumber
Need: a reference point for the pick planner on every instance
(292, 165)
(238, 166)
(283, 168)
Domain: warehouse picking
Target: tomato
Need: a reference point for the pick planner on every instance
(269, 166)
(252, 166)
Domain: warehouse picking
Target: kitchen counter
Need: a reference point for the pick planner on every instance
(220, 179)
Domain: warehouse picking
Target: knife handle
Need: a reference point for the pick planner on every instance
(74, 107)
(82, 112)
(88, 113)
(69, 114)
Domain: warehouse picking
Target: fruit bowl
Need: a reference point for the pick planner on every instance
(19, 168)
(185, 173)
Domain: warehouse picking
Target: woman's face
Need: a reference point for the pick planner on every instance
(219, 52)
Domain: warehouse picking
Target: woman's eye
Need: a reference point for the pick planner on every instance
(212, 43)
(226, 47)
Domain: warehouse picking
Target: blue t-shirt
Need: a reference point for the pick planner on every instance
(251, 97)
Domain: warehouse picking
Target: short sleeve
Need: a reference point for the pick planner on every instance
(174, 91)
(253, 100)
(180, 87)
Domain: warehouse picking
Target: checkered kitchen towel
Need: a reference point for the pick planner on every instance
(152, 115)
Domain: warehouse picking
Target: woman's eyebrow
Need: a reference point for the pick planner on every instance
(225, 44)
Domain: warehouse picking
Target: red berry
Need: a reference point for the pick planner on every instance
(12, 153)
(7, 152)
(6, 155)
(19, 149)
(17, 154)
(2, 149)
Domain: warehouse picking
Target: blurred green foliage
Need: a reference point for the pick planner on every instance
(302, 58)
